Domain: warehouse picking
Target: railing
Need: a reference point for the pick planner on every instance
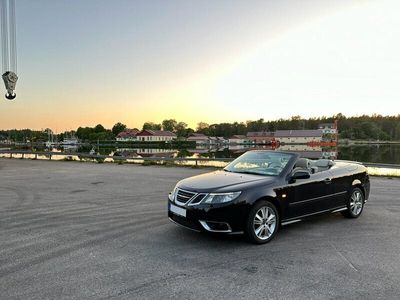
(49, 155)
(196, 160)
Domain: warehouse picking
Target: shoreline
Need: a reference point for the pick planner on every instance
(211, 164)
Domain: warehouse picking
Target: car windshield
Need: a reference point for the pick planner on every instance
(260, 163)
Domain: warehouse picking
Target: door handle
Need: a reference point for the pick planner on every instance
(328, 180)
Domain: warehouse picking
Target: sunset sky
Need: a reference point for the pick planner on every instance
(82, 63)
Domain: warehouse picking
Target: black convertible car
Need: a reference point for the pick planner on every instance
(261, 190)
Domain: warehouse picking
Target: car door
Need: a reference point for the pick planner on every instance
(341, 184)
(309, 196)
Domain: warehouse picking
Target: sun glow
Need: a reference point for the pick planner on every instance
(276, 60)
(344, 62)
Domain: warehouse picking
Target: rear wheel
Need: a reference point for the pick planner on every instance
(262, 222)
(355, 204)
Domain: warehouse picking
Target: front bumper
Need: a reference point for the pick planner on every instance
(230, 218)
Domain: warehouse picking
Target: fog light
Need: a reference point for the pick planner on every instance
(213, 226)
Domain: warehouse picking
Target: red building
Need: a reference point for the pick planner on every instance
(128, 135)
(261, 137)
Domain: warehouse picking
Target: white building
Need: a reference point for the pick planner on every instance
(238, 139)
(148, 135)
(199, 138)
(328, 128)
(299, 136)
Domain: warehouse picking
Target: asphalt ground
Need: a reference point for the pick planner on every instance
(71, 230)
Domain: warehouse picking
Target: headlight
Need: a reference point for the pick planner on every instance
(214, 198)
(171, 196)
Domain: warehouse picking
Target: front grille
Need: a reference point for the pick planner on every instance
(197, 199)
(183, 197)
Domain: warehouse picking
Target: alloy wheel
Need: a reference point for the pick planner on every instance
(356, 202)
(264, 223)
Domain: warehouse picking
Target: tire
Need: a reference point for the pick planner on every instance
(355, 204)
(262, 223)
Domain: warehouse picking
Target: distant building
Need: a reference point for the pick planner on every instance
(128, 135)
(222, 140)
(299, 136)
(5, 141)
(260, 137)
(199, 138)
(213, 140)
(148, 135)
(328, 128)
(238, 139)
(156, 152)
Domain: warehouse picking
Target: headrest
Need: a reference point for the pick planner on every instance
(302, 163)
(323, 163)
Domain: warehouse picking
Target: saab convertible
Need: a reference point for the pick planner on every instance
(261, 190)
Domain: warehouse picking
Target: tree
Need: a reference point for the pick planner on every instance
(201, 126)
(83, 133)
(48, 131)
(189, 131)
(397, 132)
(359, 127)
(180, 129)
(118, 128)
(169, 125)
(151, 126)
(99, 128)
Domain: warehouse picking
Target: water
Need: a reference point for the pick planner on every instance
(365, 153)
(389, 154)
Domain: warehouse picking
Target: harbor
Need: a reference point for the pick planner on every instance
(382, 160)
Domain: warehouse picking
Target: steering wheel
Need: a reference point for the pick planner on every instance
(274, 165)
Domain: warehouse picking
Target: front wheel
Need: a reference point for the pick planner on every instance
(355, 204)
(262, 223)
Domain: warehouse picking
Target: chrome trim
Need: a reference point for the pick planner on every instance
(316, 213)
(339, 209)
(194, 197)
(206, 227)
(317, 198)
(183, 225)
(290, 222)
(184, 203)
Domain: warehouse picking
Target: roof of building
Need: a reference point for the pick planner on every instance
(148, 132)
(260, 134)
(197, 137)
(128, 133)
(299, 133)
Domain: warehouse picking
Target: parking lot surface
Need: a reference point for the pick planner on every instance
(71, 230)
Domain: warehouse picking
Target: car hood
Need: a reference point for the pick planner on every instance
(221, 180)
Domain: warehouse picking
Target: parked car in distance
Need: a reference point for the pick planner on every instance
(261, 190)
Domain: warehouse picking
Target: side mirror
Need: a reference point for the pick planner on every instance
(300, 174)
